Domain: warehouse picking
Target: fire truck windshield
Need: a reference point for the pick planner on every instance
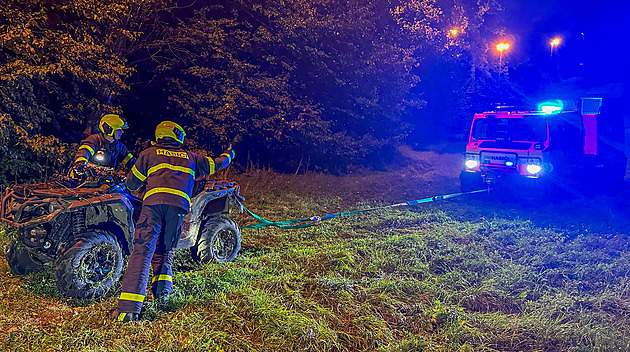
(511, 129)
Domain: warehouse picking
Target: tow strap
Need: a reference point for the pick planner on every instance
(312, 221)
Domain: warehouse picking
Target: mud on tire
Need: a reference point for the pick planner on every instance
(89, 265)
(220, 240)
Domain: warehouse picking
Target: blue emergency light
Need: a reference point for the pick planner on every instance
(551, 107)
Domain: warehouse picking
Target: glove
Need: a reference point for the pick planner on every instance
(229, 153)
(79, 167)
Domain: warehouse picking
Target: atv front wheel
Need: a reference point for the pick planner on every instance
(89, 265)
(220, 240)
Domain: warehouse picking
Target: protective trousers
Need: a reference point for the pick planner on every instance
(156, 236)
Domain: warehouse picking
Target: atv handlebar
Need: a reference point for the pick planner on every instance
(93, 176)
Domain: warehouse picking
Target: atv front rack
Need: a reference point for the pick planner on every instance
(43, 201)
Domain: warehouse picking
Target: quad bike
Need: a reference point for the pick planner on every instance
(84, 232)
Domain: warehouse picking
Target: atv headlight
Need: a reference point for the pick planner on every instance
(100, 156)
(472, 161)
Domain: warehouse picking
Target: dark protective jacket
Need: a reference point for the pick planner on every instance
(170, 172)
(115, 152)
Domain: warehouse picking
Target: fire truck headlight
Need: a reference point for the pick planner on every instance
(533, 169)
(533, 166)
(471, 164)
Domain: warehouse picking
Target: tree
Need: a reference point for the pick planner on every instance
(456, 69)
(324, 80)
(62, 65)
(329, 81)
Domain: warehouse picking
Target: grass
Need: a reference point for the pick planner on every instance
(468, 274)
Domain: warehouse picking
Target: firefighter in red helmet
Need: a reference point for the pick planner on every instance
(169, 173)
(105, 148)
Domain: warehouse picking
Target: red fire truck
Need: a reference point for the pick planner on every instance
(563, 145)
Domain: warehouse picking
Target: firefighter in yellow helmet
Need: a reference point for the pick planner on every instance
(169, 173)
(105, 148)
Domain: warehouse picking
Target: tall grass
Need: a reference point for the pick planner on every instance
(473, 274)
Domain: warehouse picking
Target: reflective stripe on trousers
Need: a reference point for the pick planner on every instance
(157, 233)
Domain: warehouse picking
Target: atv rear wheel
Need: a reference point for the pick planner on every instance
(89, 265)
(20, 260)
(220, 240)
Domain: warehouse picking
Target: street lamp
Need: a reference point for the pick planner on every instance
(501, 47)
(553, 43)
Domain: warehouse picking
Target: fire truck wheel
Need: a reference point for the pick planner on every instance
(614, 172)
(89, 265)
(220, 240)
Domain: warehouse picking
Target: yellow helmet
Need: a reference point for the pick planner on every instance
(110, 123)
(169, 129)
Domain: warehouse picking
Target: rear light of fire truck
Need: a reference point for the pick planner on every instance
(472, 162)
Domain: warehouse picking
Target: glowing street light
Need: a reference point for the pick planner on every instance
(501, 47)
(553, 43)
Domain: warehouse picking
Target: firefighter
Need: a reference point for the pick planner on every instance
(169, 173)
(105, 148)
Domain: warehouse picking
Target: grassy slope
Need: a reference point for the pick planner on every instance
(469, 274)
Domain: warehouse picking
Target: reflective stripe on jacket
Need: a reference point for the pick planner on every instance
(116, 151)
(169, 173)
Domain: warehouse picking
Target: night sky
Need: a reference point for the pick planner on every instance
(594, 36)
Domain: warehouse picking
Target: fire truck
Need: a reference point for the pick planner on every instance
(564, 145)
